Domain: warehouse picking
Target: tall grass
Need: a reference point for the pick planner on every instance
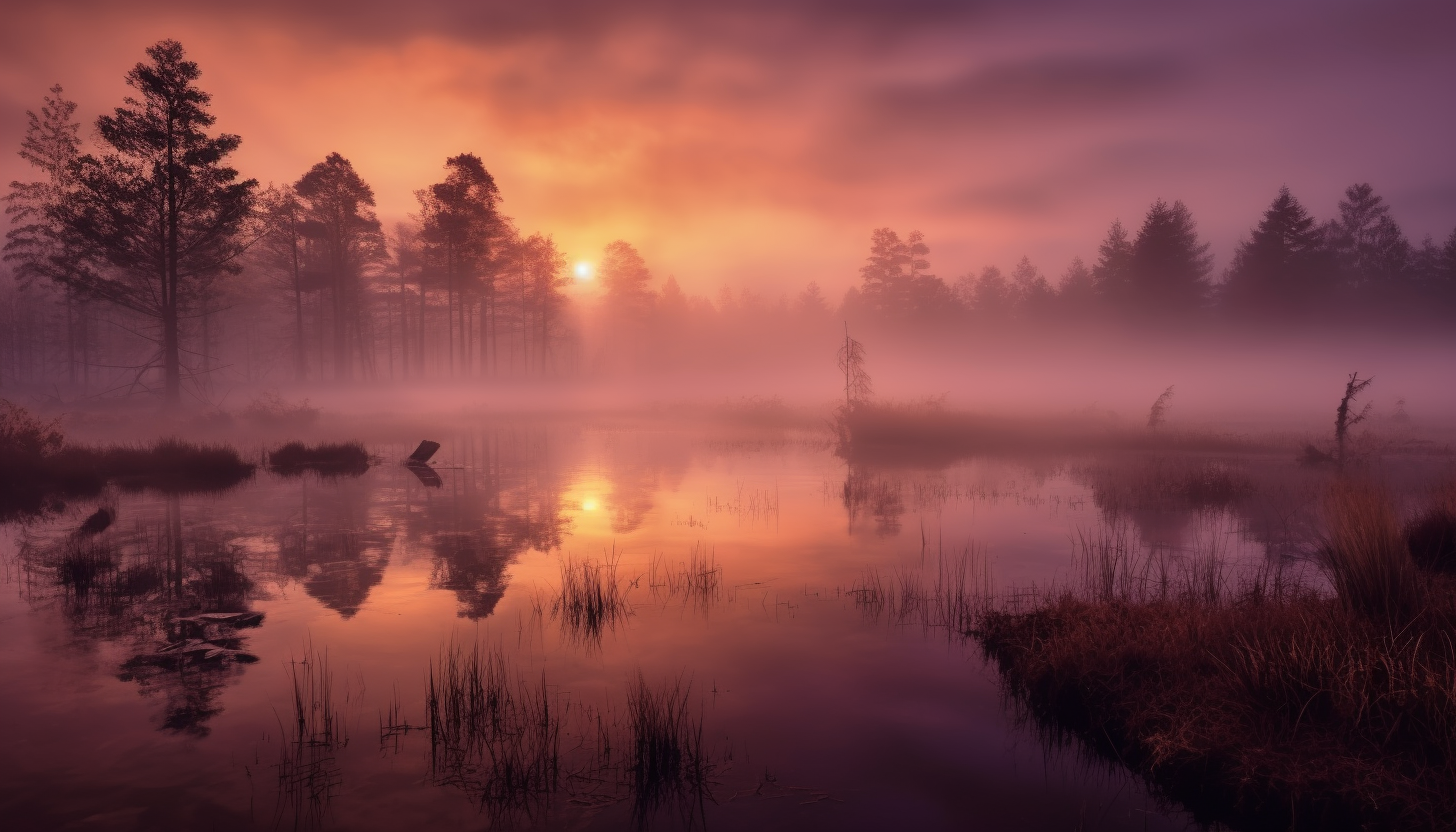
(665, 752)
(308, 772)
(332, 459)
(697, 581)
(1366, 554)
(491, 730)
(591, 599)
(953, 597)
(1257, 697)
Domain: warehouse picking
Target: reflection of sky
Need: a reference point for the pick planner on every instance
(895, 722)
(760, 142)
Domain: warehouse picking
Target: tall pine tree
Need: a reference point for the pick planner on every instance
(162, 212)
(1278, 272)
(1169, 267)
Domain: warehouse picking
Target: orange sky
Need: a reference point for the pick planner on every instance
(759, 146)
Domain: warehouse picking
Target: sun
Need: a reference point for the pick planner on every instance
(583, 271)
(589, 504)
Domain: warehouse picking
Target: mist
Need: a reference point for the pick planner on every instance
(803, 417)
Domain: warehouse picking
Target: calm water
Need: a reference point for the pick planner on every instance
(817, 711)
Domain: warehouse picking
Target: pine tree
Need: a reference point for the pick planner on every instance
(1077, 292)
(35, 243)
(1169, 267)
(1370, 250)
(1277, 271)
(1033, 294)
(340, 206)
(161, 213)
(464, 228)
(1113, 272)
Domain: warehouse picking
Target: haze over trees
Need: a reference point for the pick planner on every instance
(146, 263)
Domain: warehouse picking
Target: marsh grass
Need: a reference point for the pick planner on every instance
(1259, 697)
(39, 471)
(492, 732)
(308, 770)
(591, 599)
(1366, 554)
(696, 581)
(330, 459)
(665, 752)
(1431, 534)
(952, 597)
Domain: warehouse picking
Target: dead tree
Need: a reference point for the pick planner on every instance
(1343, 420)
(857, 388)
(1159, 412)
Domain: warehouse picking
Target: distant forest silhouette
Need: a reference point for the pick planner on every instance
(148, 264)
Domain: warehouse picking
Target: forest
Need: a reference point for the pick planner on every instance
(140, 262)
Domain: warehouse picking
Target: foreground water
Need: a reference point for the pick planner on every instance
(738, 554)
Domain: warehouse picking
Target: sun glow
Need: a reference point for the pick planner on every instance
(583, 271)
(589, 504)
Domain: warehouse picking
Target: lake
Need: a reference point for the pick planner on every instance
(784, 611)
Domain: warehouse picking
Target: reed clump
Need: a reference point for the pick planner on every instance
(953, 597)
(1260, 700)
(492, 731)
(330, 459)
(39, 471)
(697, 581)
(591, 599)
(665, 753)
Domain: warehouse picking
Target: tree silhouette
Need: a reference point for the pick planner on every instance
(896, 282)
(464, 229)
(1169, 266)
(339, 204)
(1278, 271)
(1034, 296)
(36, 243)
(626, 279)
(989, 296)
(161, 212)
(1371, 250)
(1077, 291)
(1113, 271)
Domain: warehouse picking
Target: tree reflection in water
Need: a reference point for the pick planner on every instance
(176, 595)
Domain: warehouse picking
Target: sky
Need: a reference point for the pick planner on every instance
(757, 144)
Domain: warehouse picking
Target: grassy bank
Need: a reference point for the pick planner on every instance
(1260, 702)
(39, 470)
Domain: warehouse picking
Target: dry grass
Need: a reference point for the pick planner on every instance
(1366, 554)
(1254, 698)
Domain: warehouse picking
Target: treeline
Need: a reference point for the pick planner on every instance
(151, 264)
(148, 264)
(1290, 270)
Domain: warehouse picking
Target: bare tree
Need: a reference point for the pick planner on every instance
(1158, 414)
(1343, 420)
(857, 386)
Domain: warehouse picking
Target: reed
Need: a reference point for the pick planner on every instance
(697, 581)
(326, 459)
(665, 752)
(492, 731)
(591, 599)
